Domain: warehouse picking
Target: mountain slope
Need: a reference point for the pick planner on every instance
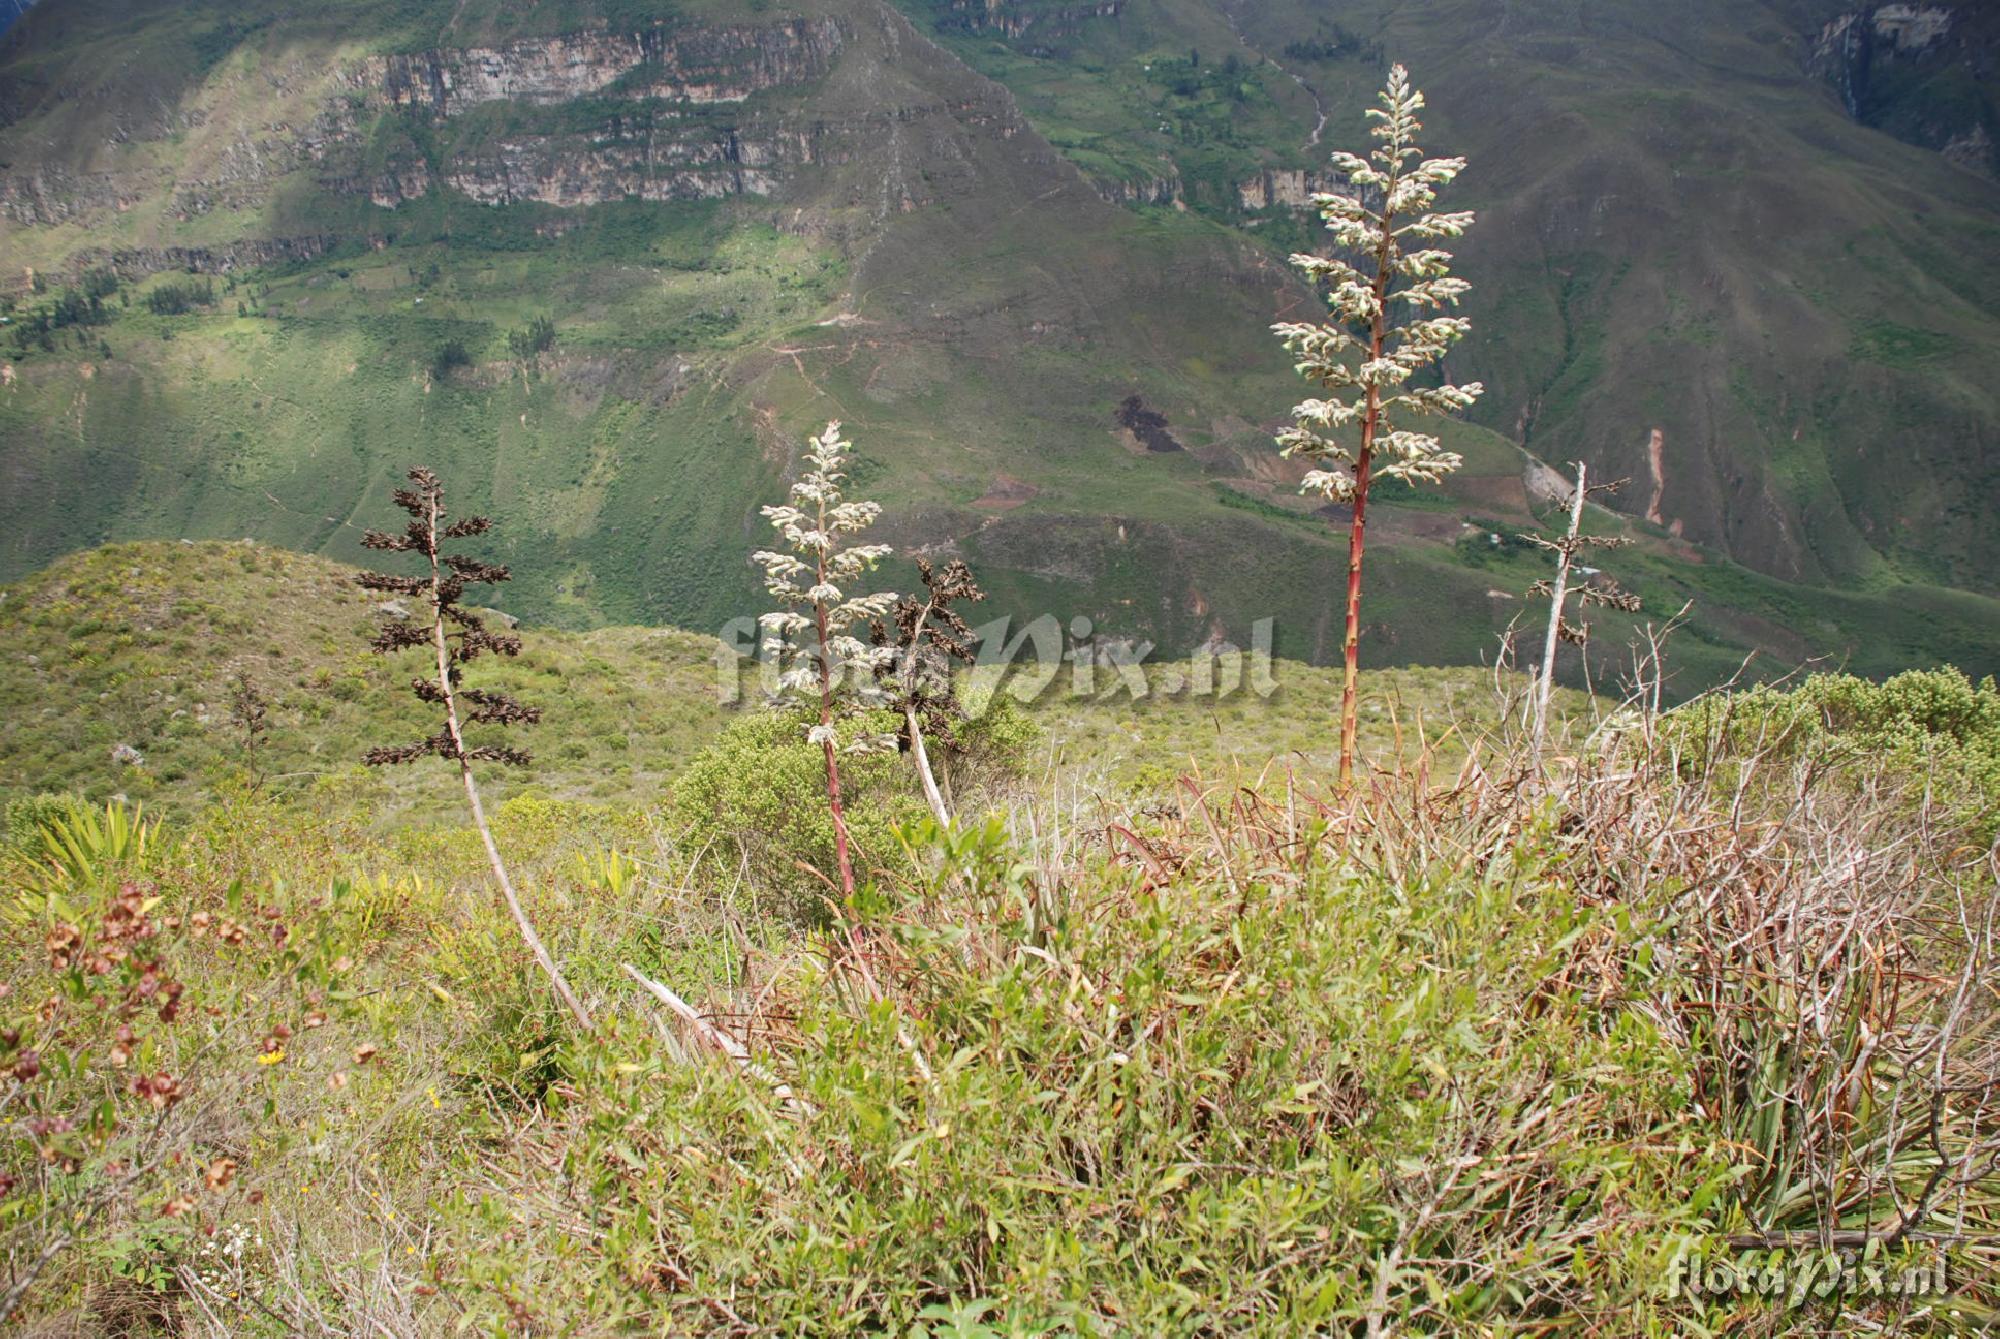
(125, 663)
(956, 230)
(1691, 266)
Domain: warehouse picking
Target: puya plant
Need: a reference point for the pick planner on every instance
(821, 665)
(455, 637)
(927, 636)
(1559, 591)
(1367, 354)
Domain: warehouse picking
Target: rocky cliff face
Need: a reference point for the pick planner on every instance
(1022, 19)
(707, 65)
(688, 134)
(50, 195)
(1289, 188)
(660, 150)
(1160, 190)
(624, 161)
(1926, 73)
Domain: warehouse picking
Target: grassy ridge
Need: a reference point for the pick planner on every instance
(142, 645)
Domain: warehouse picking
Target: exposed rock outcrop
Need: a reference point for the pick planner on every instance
(1289, 188)
(667, 148)
(682, 138)
(1017, 21)
(704, 65)
(136, 262)
(51, 195)
(627, 162)
(1902, 67)
(1163, 190)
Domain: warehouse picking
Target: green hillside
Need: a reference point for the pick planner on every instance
(125, 664)
(1530, 1046)
(971, 234)
(640, 1009)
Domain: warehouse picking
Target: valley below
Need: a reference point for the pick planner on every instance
(973, 237)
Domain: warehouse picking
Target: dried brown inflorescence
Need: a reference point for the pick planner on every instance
(928, 636)
(249, 712)
(456, 638)
(459, 635)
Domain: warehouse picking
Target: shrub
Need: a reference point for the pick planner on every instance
(758, 794)
(539, 337)
(1926, 732)
(146, 1014)
(178, 297)
(994, 748)
(447, 358)
(1143, 1106)
(99, 283)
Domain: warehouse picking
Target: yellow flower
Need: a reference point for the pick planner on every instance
(272, 1057)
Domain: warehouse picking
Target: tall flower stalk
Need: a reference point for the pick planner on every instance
(455, 637)
(822, 665)
(927, 636)
(1559, 591)
(1363, 356)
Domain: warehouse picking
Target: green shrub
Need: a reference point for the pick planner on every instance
(1180, 1114)
(1929, 731)
(178, 297)
(758, 794)
(135, 983)
(539, 337)
(994, 748)
(448, 357)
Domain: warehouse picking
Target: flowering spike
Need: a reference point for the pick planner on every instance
(820, 663)
(1361, 356)
(456, 637)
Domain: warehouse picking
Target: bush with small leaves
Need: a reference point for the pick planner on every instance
(755, 799)
(447, 358)
(1931, 735)
(539, 337)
